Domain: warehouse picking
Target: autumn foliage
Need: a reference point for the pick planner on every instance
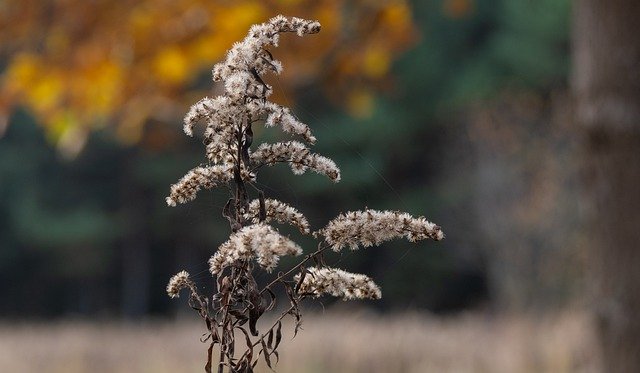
(79, 66)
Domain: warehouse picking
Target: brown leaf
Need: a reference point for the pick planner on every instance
(249, 353)
(263, 209)
(272, 304)
(267, 359)
(207, 367)
(270, 339)
(303, 274)
(278, 336)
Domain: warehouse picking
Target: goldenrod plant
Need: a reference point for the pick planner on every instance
(255, 244)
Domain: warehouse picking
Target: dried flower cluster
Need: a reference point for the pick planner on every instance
(371, 227)
(260, 242)
(278, 211)
(198, 178)
(229, 118)
(338, 283)
(238, 302)
(299, 158)
(178, 282)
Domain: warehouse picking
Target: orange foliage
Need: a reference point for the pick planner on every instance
(458, 8)
(81, 65)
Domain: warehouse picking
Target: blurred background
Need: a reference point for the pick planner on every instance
(481, 115)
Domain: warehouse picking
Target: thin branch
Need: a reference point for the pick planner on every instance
(295, 268)
(282, 316)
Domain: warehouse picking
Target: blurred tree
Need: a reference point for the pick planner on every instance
(59, 223)
(80, 66)
(606, 85)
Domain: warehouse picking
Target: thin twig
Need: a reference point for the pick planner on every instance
(295, 268)
(282, 316)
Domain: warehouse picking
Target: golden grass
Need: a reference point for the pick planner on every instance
(353, 341)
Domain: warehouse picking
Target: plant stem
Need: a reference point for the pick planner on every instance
(285, 313)
(295, 268)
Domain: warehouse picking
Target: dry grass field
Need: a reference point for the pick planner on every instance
(353, 341)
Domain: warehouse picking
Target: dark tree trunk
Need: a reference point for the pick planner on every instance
(606, 85)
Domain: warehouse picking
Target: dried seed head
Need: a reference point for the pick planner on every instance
(281, 116)
(229, 116)
(278, 211)
(298, 156)
(248, 59)
(208, 177)
(201, 109)
(178, 282)
(338, 283)
(259, 241)
(372, 227)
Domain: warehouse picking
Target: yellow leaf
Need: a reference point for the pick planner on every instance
(21, 73)
(238, 18)
(376, 61)
(209, 48)
(104, 88)
(171, 65)
(397, 15)
(46, 92)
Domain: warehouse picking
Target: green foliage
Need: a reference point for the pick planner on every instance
(395, 158)
(518, 43)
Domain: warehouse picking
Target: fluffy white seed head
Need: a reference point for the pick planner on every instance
(178, 282)
(298, 156)
(221, 145)
(199, 110)
(208, 177)
(259, 241)
(250, 55)
(338, 283)
(278, 211)
(230, 116)
(371, 227)
(281, 116)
